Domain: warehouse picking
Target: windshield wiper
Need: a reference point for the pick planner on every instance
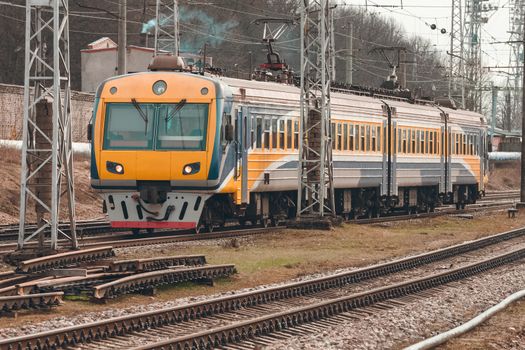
(180, 105)
(143, 115)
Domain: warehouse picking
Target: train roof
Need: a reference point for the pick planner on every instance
(348, 102)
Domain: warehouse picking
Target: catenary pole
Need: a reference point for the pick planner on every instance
(522, 189)
(122, 37)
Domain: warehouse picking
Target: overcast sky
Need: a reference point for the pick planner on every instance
(416, 16)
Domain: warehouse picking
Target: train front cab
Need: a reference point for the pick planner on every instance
(155, 149)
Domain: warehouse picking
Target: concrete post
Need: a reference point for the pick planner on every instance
(122, 37)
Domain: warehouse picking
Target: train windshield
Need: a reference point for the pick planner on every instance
(149, 126)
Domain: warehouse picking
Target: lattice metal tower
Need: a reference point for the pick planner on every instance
(47, 155)
(474, 18)
(456, 83)
(514, 79)
(167, 26)
(315, 170)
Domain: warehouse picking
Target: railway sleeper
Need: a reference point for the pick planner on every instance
(179, 314)
(238, 332)
(141, 281)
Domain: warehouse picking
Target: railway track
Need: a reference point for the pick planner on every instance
(249, 331)
(241, 316)
(472, 208)
(163, 237)
(84, 229)
(122, 240)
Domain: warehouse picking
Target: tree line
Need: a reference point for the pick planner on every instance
(234, 41)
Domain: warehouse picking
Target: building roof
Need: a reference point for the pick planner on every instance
(102, 43)
(506, 133)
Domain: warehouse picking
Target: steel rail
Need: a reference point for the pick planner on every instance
(165, 237)
(180, 236)
(31, 301)
(86, 227)
(482, 207)
(260, 326)
(178, 274)
(66, 284)
(152, 264)
(50, 262)
(159, 318)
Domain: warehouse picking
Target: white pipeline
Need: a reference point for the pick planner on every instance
(78, 147)
(476, 321)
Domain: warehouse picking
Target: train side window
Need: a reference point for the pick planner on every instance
(258, 143)
(266, 133)
(351, 137)
(409, 141)
(362, 143)
(426, 142)
(418, 140)
(413, 142)
(289, 133)
(374, 138)
(399, 140)
(436, 142)
(431, 143)
(339, 136)
(422, 142)
(281, 133)
(296, 135)
(464, 144)
(404, 150)
(345, 136)
(378, 140)
(253, 127)
(274, 133)
(357, 137)
(368, 138)
(332, 131)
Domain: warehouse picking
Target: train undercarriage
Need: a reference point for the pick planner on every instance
(272, 208)
(141, 212)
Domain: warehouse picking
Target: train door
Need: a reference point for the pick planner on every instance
(483, 158)
(389, 183)
(445, 183)
(244, 145)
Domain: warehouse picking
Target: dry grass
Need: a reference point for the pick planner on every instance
(88, 203)
(506, 330)
(289, 254)
(504, 176)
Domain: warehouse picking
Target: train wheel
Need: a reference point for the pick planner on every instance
(265, 223)
(150, 231)
(199, 228)
(135, 231)
(209, 228)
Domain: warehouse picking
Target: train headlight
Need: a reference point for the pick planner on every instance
(115, 168)
(192, 168)
(159, 87)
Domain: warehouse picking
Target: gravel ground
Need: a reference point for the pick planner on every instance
(419, 319)
(389, 328)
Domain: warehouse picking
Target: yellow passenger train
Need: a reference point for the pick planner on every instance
(176, 149)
